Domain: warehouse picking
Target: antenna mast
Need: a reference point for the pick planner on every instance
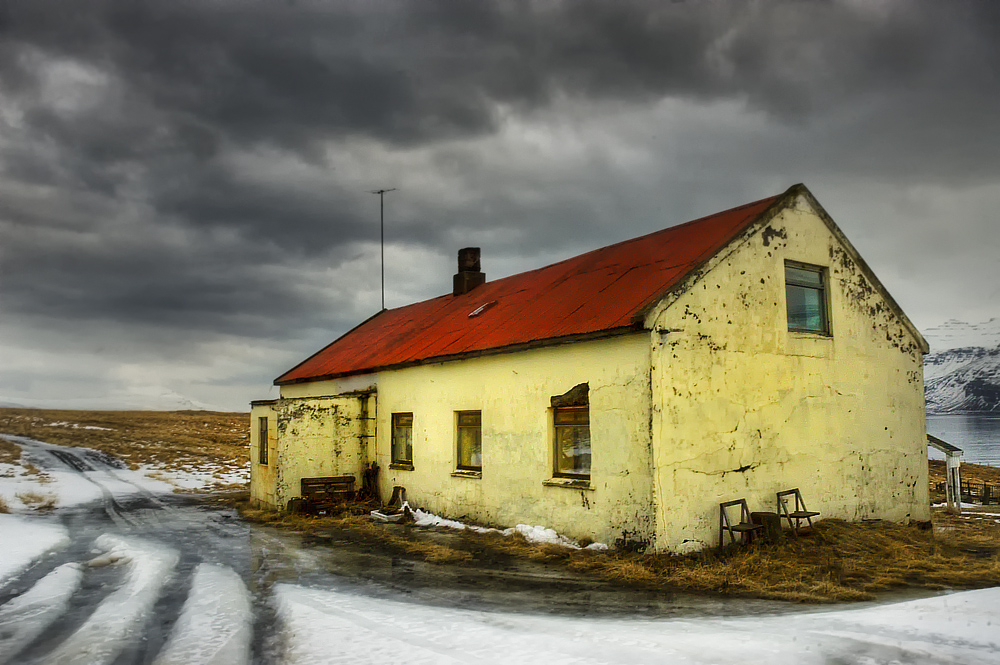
(381, 216)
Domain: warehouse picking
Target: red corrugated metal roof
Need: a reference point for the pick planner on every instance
(597, 292)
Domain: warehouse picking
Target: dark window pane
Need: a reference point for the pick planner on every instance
(803, 276)
(262, 440)
(805, 294)
(402, 437)
(805, 309)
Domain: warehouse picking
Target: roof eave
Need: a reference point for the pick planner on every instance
(512, 348)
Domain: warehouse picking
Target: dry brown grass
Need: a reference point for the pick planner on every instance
(168, 438)
(977, 473)
(838, 561)
(10, 453)
(36, 501)
(4, 508)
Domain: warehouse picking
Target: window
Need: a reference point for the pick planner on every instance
(572, 441)
(470, 440)
(262, 440)
(402, 438)
(805, 293)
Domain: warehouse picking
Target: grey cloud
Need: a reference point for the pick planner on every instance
(100, 176)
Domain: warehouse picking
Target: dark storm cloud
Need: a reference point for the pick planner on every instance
(205, 164)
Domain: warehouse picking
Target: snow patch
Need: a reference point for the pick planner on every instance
(533, 534)
(25, 617)
(319, 626)
(216, 624)
(26, 540)
(121, 616)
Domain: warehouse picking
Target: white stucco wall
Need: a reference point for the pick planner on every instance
(745, 408)
(513, 392)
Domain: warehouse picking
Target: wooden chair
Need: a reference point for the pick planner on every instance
(799, 513)
(744, 526)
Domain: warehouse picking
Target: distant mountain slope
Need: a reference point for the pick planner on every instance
(962, 372)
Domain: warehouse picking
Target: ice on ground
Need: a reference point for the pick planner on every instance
(25, 540)
(216, 624)
(26, 616)
(321, 626)
(533, 534)
(121, 616)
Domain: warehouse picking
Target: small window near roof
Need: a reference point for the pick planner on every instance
(806, 297)
(470, 440)
(402, 438)
(572, 441)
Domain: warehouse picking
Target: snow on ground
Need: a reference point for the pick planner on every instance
(334, 627)
(191, 478)
(944, 504)
(63, 423)
(216, 624)
(121, 616)
(26, 616)
(533, 534)
(52, 483)
(25, 540)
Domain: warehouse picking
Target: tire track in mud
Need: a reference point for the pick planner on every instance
(114, 510)
(137, 515)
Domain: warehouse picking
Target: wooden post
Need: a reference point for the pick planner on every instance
(953, 482)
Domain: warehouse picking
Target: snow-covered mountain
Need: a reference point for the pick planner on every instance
(962, 371)
(142, 398)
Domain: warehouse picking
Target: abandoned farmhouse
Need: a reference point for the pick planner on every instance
(622, 394)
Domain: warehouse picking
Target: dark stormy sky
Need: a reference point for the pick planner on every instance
(184, 185)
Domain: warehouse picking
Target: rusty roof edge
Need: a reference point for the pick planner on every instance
(694, 274)
(511, 348)
(801, 189)
(277, 381)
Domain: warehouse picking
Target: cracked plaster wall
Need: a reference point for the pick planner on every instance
(744, 408)
(513, 392)
(309, 436)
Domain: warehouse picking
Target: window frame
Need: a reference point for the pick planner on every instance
(558, 470)
(262, 439)
(396, 460)
(459, 429)
(823, 291)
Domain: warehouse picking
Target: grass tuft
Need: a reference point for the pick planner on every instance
(39, 502)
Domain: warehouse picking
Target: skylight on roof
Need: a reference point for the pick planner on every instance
(482, 308)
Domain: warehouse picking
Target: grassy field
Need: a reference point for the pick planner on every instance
(177, 439)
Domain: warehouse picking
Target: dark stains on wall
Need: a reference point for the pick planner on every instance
(862, 296)
(770, 233)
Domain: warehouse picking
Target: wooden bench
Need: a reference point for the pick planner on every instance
(744, 526)
(319, 494)
(799, 513)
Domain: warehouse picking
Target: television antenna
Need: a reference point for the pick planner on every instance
(381, 216)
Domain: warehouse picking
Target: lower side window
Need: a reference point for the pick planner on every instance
(402, 438)
(262, 440)
(470, 440)
(572, 441)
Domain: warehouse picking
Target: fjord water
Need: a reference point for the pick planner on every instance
(977, 434)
